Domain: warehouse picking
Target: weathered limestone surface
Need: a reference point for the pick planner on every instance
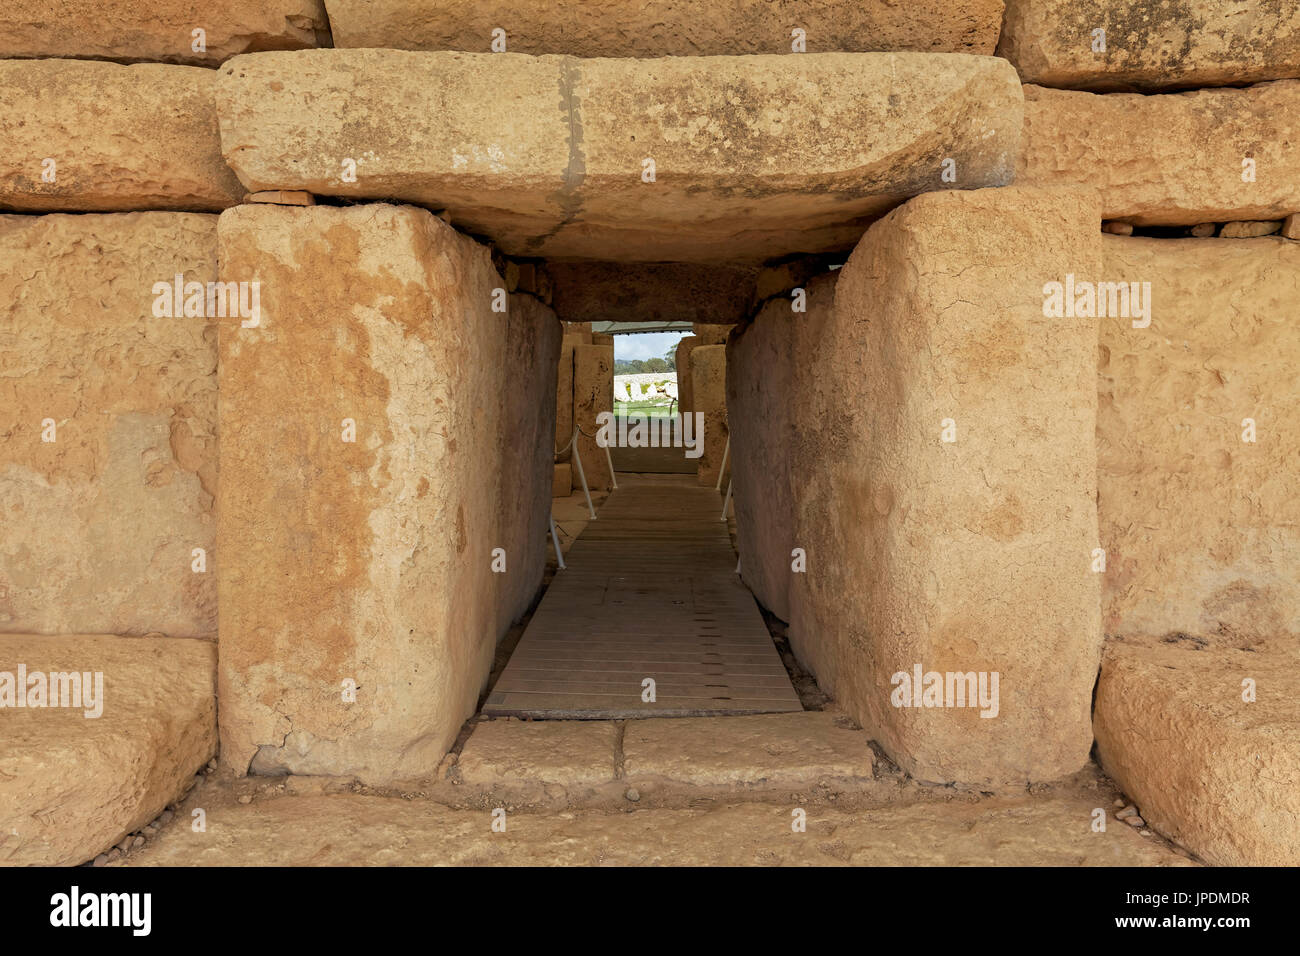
(371, 561)
(564, 389)
(70, 785)
(766, 750)
(567, 753)
(1202, 529)
(619, 28)
(161, 30)
(651, 291)
(99, 525)
(1207, 769)
(378, 831)
(964, 557)
(120, 137)
(682, 362)
(709, 397)
(711, 333)
(562, 480)
(546, 155)
(1152, 46)
(593, 393)
(1172, 159)
(774, 369)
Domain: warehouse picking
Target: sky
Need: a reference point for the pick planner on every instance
(645, 345)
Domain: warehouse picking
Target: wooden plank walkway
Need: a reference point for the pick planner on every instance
(650, 591)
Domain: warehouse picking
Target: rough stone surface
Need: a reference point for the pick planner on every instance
(682, 363)
(651, 291)
(162, 30)
(72, 786)
(905, 534)
(709, 397)
(593, 393)
(350, 829)
(617, 28)
(1152, 46)
(774, 366)
(545, 155)
(1173, 159)
(1249, 230)
(99, 526)
(566, 753)
(562, 480)
(371, 561)
(1202, 529)
(1207, 769)
(150, 141)
(774, 750)
(1291, 226)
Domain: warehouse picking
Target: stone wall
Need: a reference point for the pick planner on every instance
(1202, 529)
(709, 399)
(108, 447)
(378, 317)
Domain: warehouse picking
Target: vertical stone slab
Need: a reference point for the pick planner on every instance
(593, 393)
(772, 368)
(682, 362)
(971, 556)
(100, 522)
(1202, 528)
(709, 394)
(369, 560)
(564, 390)
(526, 453)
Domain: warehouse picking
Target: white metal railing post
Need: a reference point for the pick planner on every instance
(613, 480)
(582, 476)
(723, 467)
(555, 538)
(726, 501)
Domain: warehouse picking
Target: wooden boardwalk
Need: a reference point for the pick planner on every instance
(650, 592)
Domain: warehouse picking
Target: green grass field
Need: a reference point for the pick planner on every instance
(643, 409)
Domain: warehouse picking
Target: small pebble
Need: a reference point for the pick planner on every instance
(125, 844)
(1128, 811)
(1119, 802)
(167, 816)
(1135, 821)
(633, 794)
(100, 860)
(245, 799)
(114, 854)
(137, 843)
(1145, 832)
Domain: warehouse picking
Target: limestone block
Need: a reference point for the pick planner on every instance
(593, 393)
(100, 523)
(565, 753)
(71, 785)
(1207, 769)
(552, 156)
(1201, 528)
(371, 560)
(709, 397)
(149, 142)
(162, 30)
(682, 362)
(651, 291)
(969, 556)
(797, 751)
(1174, 159)
(1151, 46)
(564, 390)
(619, 28)
(775, 368)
